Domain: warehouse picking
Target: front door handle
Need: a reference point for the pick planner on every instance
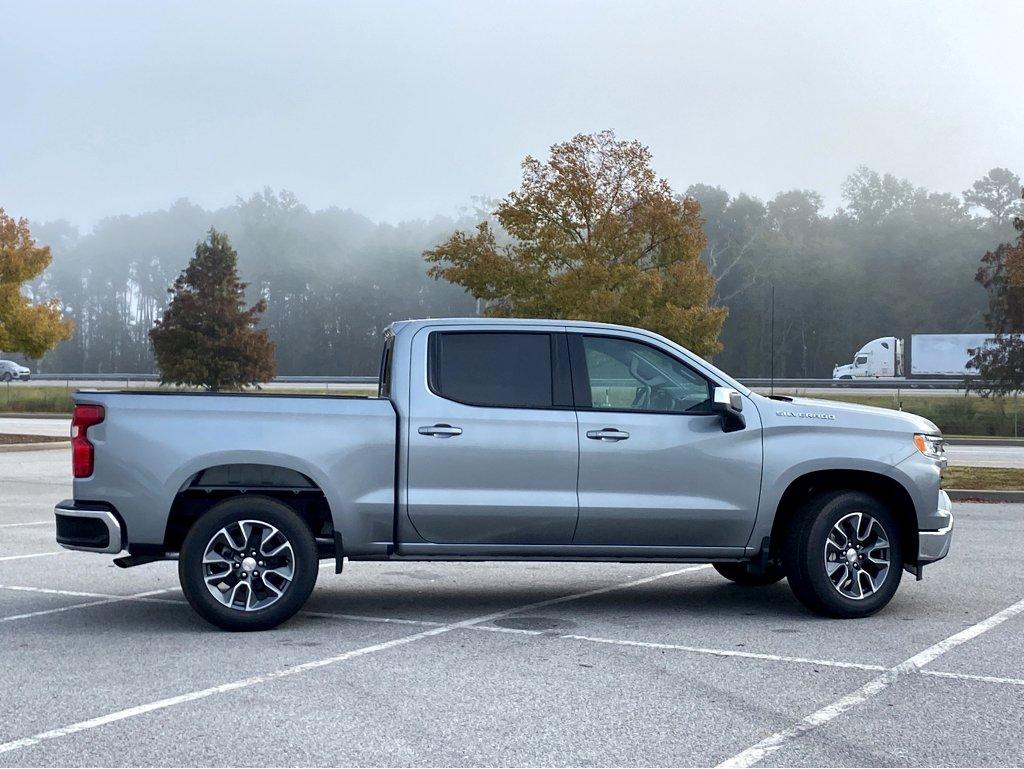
(608, 434)
(440, 431)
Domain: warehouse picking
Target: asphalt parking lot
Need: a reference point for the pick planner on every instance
(498, 664)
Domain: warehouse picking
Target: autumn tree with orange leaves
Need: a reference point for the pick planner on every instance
(27, 327)
(591, 234)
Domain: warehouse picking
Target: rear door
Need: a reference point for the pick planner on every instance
(656, 469)
(492, 445)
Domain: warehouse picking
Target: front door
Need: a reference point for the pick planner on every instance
(656, 469)
(492, 447)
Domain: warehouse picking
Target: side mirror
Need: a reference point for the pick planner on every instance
(729, 404)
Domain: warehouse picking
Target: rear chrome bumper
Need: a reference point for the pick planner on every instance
(89, 528)
(933, 544)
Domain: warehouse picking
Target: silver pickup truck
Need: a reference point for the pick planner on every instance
(508, 439)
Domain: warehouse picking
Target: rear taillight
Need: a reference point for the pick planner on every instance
(86, 415)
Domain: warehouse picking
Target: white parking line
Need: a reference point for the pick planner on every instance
(368, 618)
(728, 653)
(168, 702)
(115, 599)
(29, 523)
(79, 594)
(31, 555)
(970, 677)
(50, 591)
(773, 742)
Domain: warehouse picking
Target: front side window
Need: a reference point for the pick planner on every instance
(629, 376)
(861, 360)
(509, 370)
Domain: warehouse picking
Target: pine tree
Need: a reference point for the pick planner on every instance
(206, 337)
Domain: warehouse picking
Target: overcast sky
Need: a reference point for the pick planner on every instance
(404, 110)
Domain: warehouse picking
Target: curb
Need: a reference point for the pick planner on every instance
(35, 446)
(984, 495)
(985, 441)
(32, 415)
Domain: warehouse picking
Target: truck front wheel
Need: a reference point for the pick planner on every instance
(248, 563)
(842, 554)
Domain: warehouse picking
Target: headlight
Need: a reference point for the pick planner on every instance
(931, 446)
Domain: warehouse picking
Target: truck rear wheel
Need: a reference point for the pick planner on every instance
(249, 563)
(842, 555)
(742, 574)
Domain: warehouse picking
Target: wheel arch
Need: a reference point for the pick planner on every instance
(206, 487)
(887, 490)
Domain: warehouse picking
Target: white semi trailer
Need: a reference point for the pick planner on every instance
(919, 356)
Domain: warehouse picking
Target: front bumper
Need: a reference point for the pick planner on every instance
(933, 544)
(93, 528)
(24, 377)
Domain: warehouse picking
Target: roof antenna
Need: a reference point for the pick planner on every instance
(771, 386)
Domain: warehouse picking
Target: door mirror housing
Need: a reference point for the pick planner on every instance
(728, 403)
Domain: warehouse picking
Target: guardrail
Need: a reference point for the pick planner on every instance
(756, 382)
(857, 384)
(372, 380)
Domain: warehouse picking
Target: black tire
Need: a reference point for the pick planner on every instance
(7, 376)
(302, 559)
(741, 574)
(805, 552)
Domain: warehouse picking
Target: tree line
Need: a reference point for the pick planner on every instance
(894, 259)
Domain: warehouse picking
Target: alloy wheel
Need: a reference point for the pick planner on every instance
(248, 565)
(857, 555)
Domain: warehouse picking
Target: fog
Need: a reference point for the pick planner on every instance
(409, 110)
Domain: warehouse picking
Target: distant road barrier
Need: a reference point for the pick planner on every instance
(858, 384)
(758, 383)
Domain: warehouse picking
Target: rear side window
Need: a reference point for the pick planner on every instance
(510, 370)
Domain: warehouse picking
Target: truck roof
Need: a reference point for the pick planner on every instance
(413, 324)
(402, 324)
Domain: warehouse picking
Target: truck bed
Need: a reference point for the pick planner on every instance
(153, 446)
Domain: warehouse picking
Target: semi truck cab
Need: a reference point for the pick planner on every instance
(878, 358)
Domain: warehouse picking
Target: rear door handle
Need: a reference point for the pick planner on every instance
(441, 431)
(608, 434)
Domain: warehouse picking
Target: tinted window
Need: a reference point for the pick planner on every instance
(492, 369)
(629, 376)
(861, 360)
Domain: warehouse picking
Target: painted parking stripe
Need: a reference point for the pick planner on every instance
(773, 742)
(51, 591)
(31, 555)
(370, 618)
(87, 604)
(705, 650)
(29, 523)
(242, 683)
(495, 629)
(971, 677)
(727, 653)
(80, 594)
